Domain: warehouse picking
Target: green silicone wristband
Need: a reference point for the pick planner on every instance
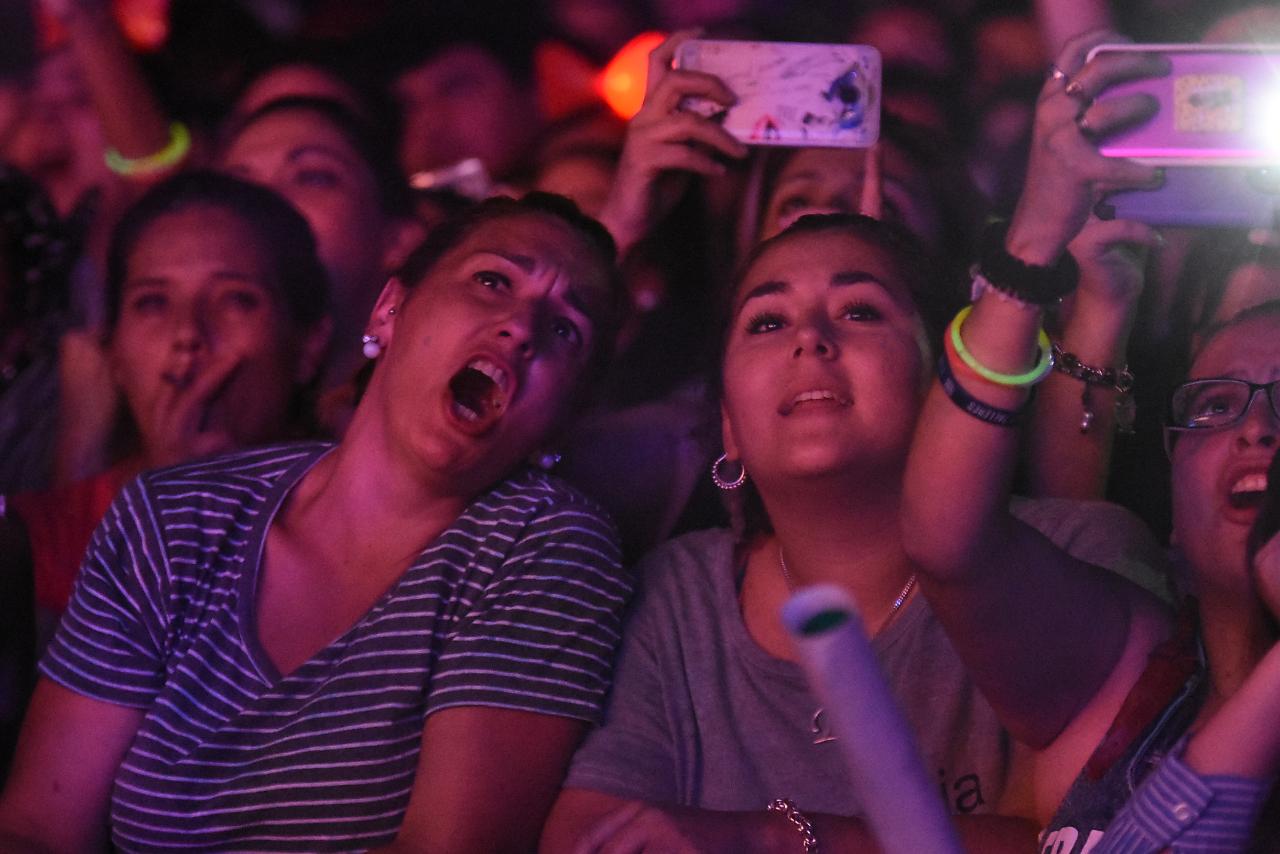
(1041, 370)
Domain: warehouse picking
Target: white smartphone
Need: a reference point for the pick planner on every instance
(790, 93)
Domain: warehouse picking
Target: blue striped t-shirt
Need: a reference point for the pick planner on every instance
(516, 605)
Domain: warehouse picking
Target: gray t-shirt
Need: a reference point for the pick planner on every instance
(701, 716)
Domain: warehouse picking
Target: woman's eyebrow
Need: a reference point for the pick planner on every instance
(524, 262)
(845, 278)
(773, 286)
(323, 150)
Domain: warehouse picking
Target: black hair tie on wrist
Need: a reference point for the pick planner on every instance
(1028, 283)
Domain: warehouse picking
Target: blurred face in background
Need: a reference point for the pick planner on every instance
(833, 180)
(1220, 474)
(301, 155)
(463, 103)
(57, 138)
(204, 350)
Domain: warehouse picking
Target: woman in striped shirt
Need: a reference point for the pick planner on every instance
(390, 643)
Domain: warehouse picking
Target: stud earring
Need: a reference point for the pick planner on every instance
(720, 481)
(547, 460)
(372, 347)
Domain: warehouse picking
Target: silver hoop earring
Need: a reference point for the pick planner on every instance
(371, 346)
(719, 480)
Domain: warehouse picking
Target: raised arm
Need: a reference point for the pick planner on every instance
(666, 145)
(133, 121)
(1087, 399)
(1041, 632)
(1062, 20)
(1209, 797)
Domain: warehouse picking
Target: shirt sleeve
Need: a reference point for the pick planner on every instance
(543, 635)
(110, 642)
(1182, 811)
(633, 755)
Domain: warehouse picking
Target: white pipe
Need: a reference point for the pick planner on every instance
(901, 806)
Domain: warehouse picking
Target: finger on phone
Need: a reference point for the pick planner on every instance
(694, 129)
(661, 56)
(1127, 231)
(1115, 173)
(1112, 114)
(681, 84)
(1109, 68)
(1074, 53)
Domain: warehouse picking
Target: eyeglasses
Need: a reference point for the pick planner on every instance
(1218, 403)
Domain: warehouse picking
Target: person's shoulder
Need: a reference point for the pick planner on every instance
(263, 465)
(533, 493)
(234, 482)
(697, 564)
(1101, 533)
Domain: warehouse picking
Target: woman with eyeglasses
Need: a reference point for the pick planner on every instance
(1131, 697)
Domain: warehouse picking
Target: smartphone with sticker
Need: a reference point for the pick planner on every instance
(790, 93)
(1219, 105)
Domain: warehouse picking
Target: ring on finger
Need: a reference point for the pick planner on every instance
(1056, 74)
(1086, 130)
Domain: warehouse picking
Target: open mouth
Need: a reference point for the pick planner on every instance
(815, 398)
(1248, 492)
(479, 394)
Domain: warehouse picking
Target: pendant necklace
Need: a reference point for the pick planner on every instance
(817, 726)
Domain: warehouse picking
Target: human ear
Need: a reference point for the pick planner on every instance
(382, 322)
(727, 436)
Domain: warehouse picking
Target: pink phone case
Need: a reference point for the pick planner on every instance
(792, 94)
(1219, 105)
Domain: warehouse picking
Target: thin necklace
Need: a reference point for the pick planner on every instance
(903, 595)
(818, 727)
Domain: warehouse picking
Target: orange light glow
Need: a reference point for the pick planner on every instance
(145, 24)
(623, 80)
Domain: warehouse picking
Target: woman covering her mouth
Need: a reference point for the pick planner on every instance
(392, 642)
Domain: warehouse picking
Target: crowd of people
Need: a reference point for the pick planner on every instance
(405, 445)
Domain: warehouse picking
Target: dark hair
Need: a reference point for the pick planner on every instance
(37, 252)
(935, 301)
(373, 146)
(936, 296)
(453, 231)
(283, 236)
(1269, 310)
(414, 34)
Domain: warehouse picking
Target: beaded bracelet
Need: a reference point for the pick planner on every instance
(789, 811)
(166, 158)
(971, 405)
(1041, 370)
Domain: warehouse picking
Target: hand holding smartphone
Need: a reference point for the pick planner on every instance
(791, 94)
(1217, 132)
(1219, 105)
